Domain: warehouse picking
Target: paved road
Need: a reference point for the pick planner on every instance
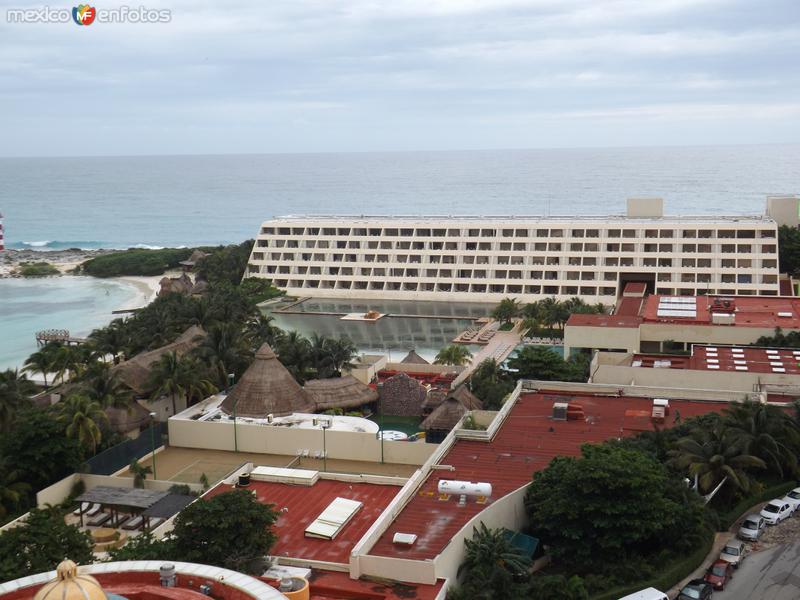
(772, 574)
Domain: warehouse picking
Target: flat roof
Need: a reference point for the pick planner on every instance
(741, 359)
(749, 311)
(666, 220)
(526, 442)
(589, 320)
(299, 505)
(333, 585)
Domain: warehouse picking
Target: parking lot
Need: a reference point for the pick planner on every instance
(770, 574)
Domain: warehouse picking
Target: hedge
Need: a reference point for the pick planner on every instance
(727, 519)
(670, 575)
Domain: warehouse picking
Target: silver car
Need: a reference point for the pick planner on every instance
(734, 552)
(751, 527)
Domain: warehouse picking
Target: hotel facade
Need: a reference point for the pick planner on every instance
(487, 258)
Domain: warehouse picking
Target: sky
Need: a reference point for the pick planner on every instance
(370, 75)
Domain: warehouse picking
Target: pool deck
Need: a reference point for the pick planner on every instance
(498, 348)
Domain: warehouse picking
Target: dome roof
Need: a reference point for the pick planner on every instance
(68, 585)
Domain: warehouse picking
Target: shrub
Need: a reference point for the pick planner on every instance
(135, 262)
(38, 269)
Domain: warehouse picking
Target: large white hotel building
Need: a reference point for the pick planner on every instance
(488, 258)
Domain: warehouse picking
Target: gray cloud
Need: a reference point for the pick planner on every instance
(325, 75)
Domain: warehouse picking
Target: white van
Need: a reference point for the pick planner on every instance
(648, 594)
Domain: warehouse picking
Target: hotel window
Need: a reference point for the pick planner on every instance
(360, 232)
(485, 246)
(542, 233)
(576, 247)
(519, 247)
(664, 277)
(769, 263)
(590, 247)
(689, 233)
(343, 231)
(614, 233)
(744, 248)
(748, 234)
(577, 233)
(728, 263)
(703, 263)
(523, 233)
(283, 231)
(592, 233)
(726, 234)
(406, 232)
(488, 232)
(609, 276)
(557, 233)
(268, 230)
(629, 233)
(454, 232)
(665, 247)
(769, 248)
(767, 233)
(439, 232)
(553, 260)
(508, 233)
(329, 231)
(651, 233)
(423, 233)
(688, 262)
(553, 247)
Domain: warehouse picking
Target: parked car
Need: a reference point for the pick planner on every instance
(647, 594)
(734, 552)
(719, 573)
(696, 589)
(751, 527)
(793, 498)
(776, 511)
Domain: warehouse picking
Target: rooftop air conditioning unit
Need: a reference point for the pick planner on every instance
(560, 411)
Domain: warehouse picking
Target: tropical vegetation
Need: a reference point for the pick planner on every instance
(454, 354)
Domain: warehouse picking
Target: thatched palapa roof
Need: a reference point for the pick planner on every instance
(267, 388)
(447, 413)
(135, 373)
(196, 257)
(402, 396)
(412, 358)
(339, 392)
(124, 420)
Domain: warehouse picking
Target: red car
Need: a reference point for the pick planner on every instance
(719, 574)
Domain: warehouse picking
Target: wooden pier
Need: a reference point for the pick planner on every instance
(59, 336)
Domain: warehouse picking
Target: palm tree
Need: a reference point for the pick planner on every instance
(260, 329)
(15, 392)
(13, 491)
(767, 432)
(341, 353)
(110, 340)
(66, 360)
(83, 417)
(454, 354)
(492, 563)
(104, 387)
(40, 361)
(714, 455)
(140, 473)
(507, 309)
(175, 377)
(294, 352)
(224, 350)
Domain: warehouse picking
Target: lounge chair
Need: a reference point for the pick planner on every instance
(134, 523)
(93, 511)
(156, 521)
(100, 520)
(83, 507)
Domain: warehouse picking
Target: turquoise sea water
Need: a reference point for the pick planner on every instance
(76, 303)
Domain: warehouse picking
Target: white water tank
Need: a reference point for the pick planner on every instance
(449, 486)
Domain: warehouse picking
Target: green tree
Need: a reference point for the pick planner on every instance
(225, 351)
(104, 387)
(178, 377)
(15, 393)
(789, 249)
(111, 339)
(611, 501)
(139, 472)
(144, 547)
(231, 530)
(539, 362)
(41, 543)
(556, 587)
(260, 329)
(713, 456)
(39, 362)
(14, 493)
(226, 263)
(83, 418)
(294, 352)
(507, 310)
(454, 354)
(493, 568)
(39, 448)
(491, 384)
(767, 432)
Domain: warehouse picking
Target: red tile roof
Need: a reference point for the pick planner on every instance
(750, 311)
(305, 503)
(330, 585)
(526, 442)
(728, 358)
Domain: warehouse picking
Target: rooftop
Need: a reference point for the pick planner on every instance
(526, 442)
(300, 505)
(332, 585)
(749, 311)
(512, 219)
(727, 358)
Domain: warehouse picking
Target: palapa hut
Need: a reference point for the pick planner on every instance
(339, 392)
(439, 423)
(128, 421)
(402, 396)
(135, 373)
(461, 393)
(412, 358)
(191, 262)
(267, 388)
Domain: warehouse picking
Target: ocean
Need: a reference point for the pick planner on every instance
(53, 203)
(57, 203)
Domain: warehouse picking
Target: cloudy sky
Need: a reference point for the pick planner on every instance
(361, 75)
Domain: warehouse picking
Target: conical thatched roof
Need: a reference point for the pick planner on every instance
(267, 388)
(446, 416)
(339, 392)
(402, 396)
(135, 373)
(412, 358)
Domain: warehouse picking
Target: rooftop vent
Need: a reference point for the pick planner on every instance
(405, 539)
(560, 411)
